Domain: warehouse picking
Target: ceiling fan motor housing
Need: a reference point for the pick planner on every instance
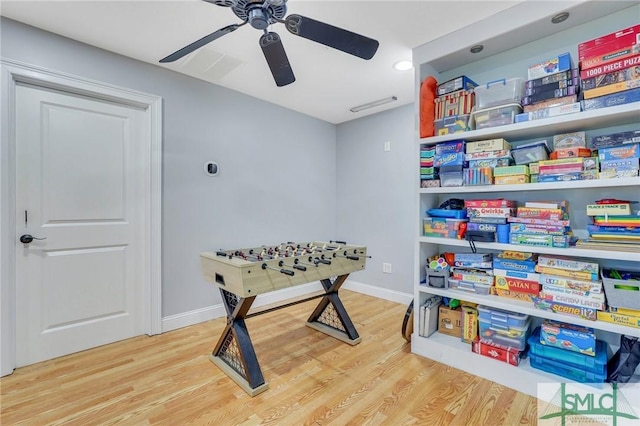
(260, 13)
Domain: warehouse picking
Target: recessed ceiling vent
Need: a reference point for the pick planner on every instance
(210, 64)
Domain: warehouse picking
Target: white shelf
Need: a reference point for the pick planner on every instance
(527, 308)
(571, 251)
(525, 187)
(507, 50)
(585, 120)
(452, 351)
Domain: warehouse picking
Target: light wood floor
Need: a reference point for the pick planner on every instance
(313, 380)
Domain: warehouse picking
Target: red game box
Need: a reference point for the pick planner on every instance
(609, 42)
(516, 284)
(500, 202)
(501, 353)
(552, 214)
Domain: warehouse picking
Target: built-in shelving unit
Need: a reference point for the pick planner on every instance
(513, 47)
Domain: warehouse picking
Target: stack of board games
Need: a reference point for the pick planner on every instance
(515, 276)
(472, 272)
(609, 69)
(449, 161)
(570, 160)
(428, 174)
(483, 157)
(551, 90)
(614, 224)
(569, 351)
(619, 161)
(488, 218)
(453, 105)
(541, 224)
(570, 286)
(511, 175)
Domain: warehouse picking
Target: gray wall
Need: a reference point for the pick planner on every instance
(376, 194)
(258, 145)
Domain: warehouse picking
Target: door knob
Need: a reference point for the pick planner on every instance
(27, 238)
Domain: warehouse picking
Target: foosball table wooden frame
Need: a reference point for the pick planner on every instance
(243, 274)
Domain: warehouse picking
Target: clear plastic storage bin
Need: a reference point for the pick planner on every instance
(494, 116)
(499, 92)
(514, 337)
(501, 317)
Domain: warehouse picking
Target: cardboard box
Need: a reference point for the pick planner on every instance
(511, 180)
(564, 309)
(618, 318)
(570, 263)
(451, 147)
(511, 170)
(459, 83)
(608, 42)
(569, 140)
(619, 152)
(519, 285)
(551, 214)
(572, 283)
(450, 321)
(516, 295)
(568, 336)
(498, 144)
(470, 324)
(550, 294)
(550, 66)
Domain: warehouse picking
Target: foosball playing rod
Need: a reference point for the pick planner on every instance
(294, 266)
(298, 261)
(282, 271)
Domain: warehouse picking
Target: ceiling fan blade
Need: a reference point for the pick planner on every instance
(223, 3)
(276, 57)
(198, 44)
(338, 38)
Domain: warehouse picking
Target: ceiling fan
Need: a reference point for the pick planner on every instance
(262, 13)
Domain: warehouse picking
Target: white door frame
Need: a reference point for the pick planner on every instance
(14, 72)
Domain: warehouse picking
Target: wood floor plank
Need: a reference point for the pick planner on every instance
(313, 380)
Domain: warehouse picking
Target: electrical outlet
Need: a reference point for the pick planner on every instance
(387, 146)
(386, 268)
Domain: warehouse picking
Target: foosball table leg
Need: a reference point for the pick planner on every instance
(330, 316)
(234, 353)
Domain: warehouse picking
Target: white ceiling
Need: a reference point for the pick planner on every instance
(328, 82)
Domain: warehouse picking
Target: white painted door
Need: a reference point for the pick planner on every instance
(80, 183)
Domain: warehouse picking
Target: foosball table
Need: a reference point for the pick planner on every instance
(243, 274)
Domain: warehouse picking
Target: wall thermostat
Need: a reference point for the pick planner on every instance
(211, 168)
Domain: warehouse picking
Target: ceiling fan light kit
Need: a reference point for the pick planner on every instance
(262, 13)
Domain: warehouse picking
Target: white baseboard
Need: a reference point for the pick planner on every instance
(174, 322)
(379, 292)
(185, 319)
